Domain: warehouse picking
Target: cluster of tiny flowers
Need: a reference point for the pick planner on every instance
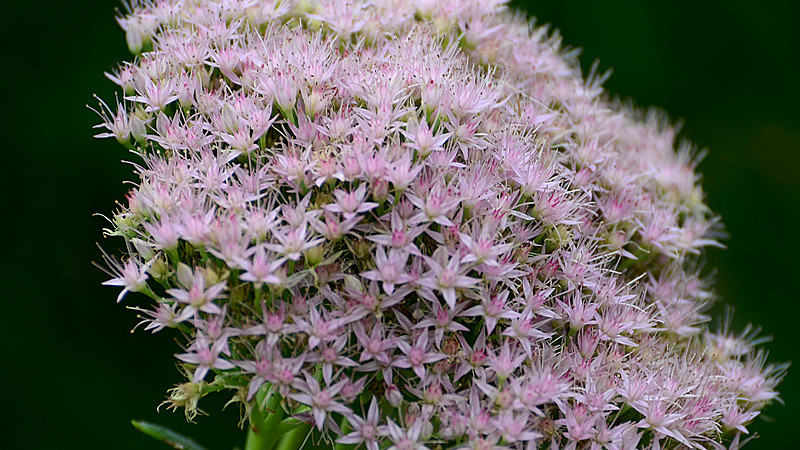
(416, 225)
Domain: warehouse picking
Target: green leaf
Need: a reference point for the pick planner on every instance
(167, 436)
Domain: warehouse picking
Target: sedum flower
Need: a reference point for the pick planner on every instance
(413, 224)
(321, 400)
(366, 430)
(131, 275)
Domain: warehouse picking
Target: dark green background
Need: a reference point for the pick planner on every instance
(73, 375)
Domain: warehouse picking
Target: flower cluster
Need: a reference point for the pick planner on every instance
(413, 224)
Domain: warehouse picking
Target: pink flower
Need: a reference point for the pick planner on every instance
(292, 242)
(405, 438)
(262, 270)
(445, 275)
(205, 354)
(423, 140)
(436, 205)
(389, 269)
(321, 401)
(131, 275)
(351, 203)
(195, 292)
(164, 315)
(401, 235)
(366, 430)
(417, 355)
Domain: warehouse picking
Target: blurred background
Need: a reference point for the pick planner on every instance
(73, 373)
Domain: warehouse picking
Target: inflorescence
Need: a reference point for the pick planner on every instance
(413, 224)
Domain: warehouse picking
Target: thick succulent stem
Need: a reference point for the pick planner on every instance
(263, 434)
(293, 440)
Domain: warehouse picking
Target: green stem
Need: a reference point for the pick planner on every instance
(148, 292)
(262, 435)
(294, 439)
(203, 254)
(173, 257)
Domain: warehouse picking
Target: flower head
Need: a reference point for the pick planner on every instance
(414, 224)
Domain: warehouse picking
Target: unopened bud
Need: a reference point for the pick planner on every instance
(393, 396)
(159, 269)
(380, 190)
(314, 256)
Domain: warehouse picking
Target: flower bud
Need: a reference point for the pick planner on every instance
(159, 269)
(393, 396)
(380, 190)
(314, 255)
(143, 248)
(138, 122)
